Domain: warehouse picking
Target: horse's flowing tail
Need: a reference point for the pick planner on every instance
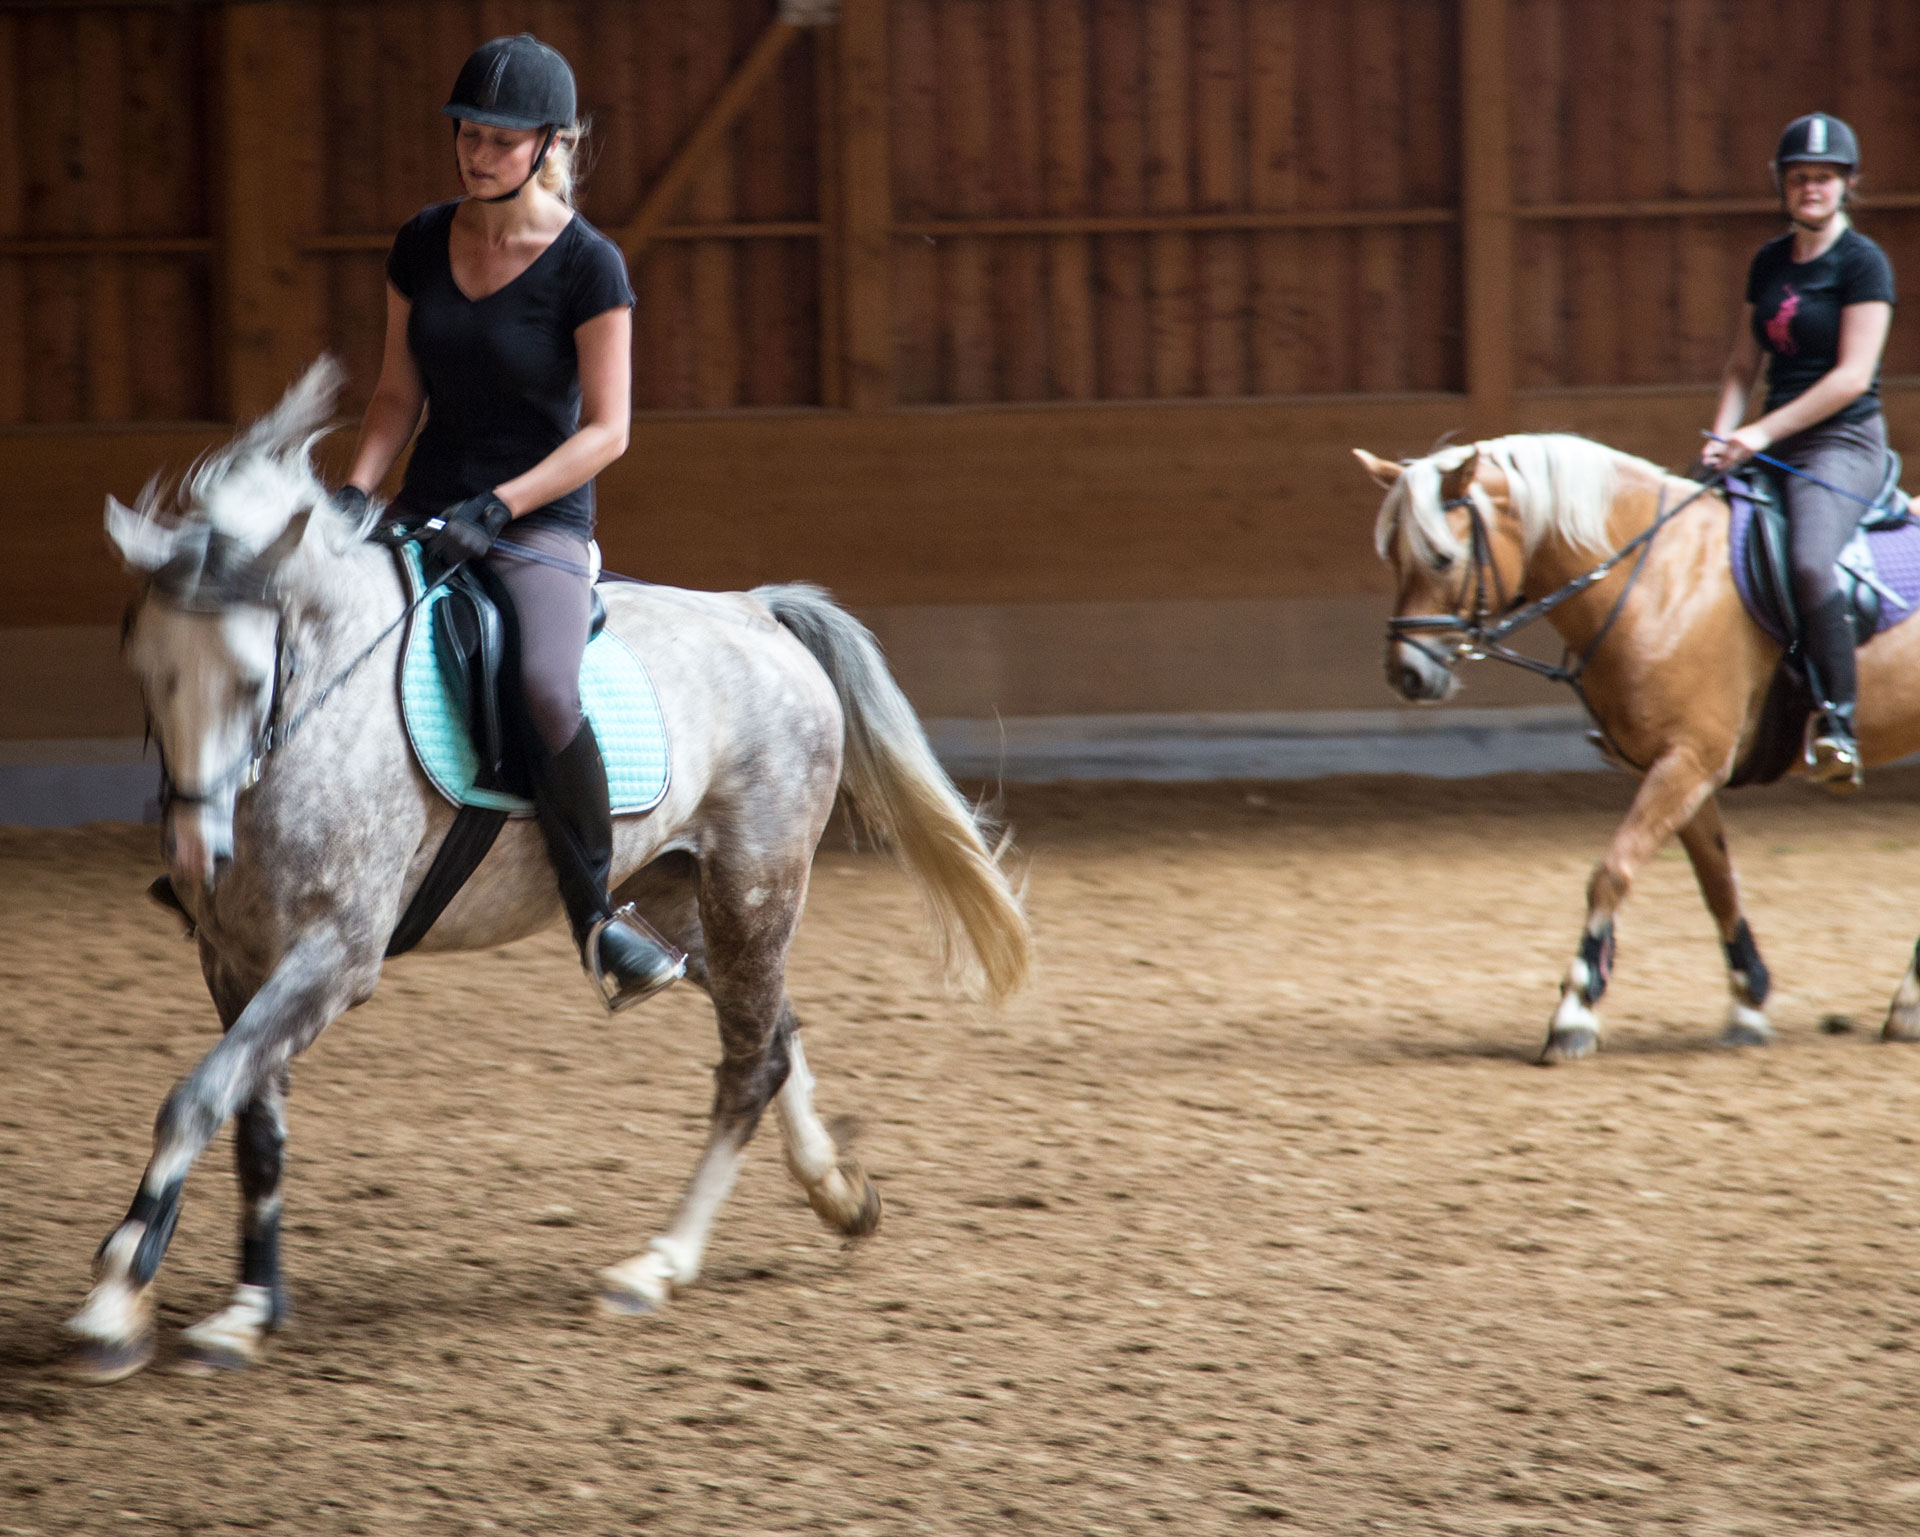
(905, 799)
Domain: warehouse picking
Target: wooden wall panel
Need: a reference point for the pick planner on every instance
(1091, 199)
(1683, 99)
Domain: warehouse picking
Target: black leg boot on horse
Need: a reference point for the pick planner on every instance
(1833, 748)
(626, 961)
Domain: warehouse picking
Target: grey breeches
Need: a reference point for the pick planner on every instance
(1850, 455)
(551, 611)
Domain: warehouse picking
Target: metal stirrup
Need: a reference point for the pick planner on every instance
(609, 987)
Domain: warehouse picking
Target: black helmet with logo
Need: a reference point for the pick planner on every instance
(1817, 139)
(514, 82)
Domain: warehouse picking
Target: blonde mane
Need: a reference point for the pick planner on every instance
(1561, 486)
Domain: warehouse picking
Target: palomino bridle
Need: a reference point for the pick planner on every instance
(1493, 616)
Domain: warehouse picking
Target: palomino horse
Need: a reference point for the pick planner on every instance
(258, 603)
(1668, 661)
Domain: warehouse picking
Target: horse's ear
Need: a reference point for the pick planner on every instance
(252, 583)
(1383, 471)
(144, 543)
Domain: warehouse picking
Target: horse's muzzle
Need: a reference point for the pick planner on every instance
(1415, 676)
(198, 844)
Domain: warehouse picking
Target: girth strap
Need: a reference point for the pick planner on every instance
(467, 842)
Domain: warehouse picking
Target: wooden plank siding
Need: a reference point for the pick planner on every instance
(1193, 222)
(1030, 200)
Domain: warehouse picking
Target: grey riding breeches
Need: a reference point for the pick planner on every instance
(552, 607)
(1850, 455)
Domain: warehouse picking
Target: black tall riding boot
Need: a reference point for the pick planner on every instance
(624, 957)
(1833, 751)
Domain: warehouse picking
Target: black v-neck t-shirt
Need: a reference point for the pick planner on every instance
(502, 374)
(1796, 313)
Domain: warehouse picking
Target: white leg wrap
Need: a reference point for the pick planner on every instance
(1743, 1019)
(116, 1311)
(1573, 1013)
(1903, 1019)
(240, 1328)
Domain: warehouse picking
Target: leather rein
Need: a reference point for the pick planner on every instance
(244, 773)
(1493, 616)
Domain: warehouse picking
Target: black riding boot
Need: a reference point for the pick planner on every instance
(570, 792)
(1833, 752)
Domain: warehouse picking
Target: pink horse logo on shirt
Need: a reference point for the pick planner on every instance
(1780, 328)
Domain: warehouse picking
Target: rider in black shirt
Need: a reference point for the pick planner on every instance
(510, 324)
(1819, 303)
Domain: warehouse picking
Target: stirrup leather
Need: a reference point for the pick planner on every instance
(608, 986)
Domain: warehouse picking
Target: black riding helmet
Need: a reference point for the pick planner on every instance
(1817, 139)
(515, 82)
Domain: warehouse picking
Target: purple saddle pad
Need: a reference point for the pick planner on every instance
(1895, 555)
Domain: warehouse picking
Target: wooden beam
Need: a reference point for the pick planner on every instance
(644, 227)
(864, 255)
(1487, 213)
(826, 137)
(269, 293)
(1197, 223)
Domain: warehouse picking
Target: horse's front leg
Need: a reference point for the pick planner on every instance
(315, 982)
(1705, 841)
(236, 1336)
(1669, 796)
(1903, 1015)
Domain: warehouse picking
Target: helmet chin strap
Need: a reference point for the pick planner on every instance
(539, 160)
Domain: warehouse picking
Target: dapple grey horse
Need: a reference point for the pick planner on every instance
(265, 640)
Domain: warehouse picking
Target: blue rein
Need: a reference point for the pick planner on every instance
(1780, 464)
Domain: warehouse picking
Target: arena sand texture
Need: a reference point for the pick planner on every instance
(1251, 1216)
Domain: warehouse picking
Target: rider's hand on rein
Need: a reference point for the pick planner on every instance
(464, 532)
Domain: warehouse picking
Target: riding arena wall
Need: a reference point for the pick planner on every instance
(1038, 330)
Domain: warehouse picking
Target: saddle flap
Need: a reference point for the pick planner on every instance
(1891, 506)
(469, 643)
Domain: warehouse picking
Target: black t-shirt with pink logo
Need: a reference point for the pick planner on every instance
(1796, 313)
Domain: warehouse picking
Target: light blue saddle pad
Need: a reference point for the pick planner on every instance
(620, 702)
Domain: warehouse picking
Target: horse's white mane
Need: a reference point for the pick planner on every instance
(1560, 486)
(249, 489)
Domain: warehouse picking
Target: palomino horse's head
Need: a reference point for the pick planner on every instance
(206, 634)
(1459, 527)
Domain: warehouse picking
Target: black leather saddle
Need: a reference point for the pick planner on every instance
(1767, 587)
(1769, 571)
(472, 638)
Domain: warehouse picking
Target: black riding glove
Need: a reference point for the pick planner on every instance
(464, 532)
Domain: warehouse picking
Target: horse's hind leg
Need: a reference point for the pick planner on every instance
(747, 920)
(1669, 797)
(1705, 841)
(837, 1187)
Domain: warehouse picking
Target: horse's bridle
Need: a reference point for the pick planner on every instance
(244, 773)
(1484, 629)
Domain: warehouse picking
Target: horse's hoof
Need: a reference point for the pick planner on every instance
(625, 1302)
(208, 1360)
(867, 1221)
(1902, 1027)
(835, 1201)
(98, 1362)
(1746, 1027)
(1569, 1046)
